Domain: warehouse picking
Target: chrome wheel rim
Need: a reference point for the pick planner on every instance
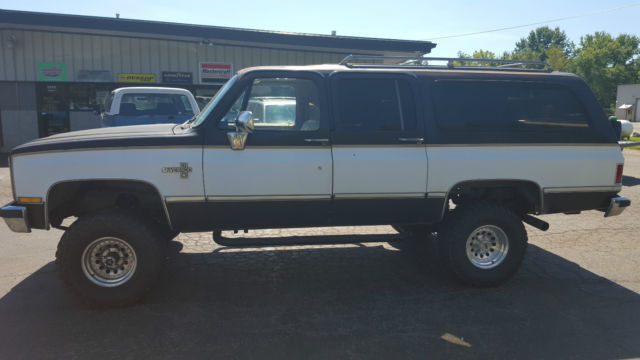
(109, 262)
(487, 246)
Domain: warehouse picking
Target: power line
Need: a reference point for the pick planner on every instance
(540, 22)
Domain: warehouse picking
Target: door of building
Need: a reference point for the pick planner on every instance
(53, 109)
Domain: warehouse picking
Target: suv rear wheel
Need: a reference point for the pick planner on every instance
(483, 243)
(110, 258)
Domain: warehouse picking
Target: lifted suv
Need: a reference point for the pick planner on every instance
(348, 144)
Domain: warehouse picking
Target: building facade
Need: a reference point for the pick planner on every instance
(55, 69)
(627, 102)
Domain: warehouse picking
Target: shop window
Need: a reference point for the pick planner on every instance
(87, 97)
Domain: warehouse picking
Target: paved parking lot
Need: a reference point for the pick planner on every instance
(577, 296)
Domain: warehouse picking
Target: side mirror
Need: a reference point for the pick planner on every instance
(244, 126)
(244, 122)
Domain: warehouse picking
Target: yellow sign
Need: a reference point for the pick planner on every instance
(137, 78)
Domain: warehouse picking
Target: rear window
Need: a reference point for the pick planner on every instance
(135, 104)
(499, 106)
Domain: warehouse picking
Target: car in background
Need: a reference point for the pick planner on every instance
(148, 105)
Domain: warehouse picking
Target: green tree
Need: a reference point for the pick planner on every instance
(540, 40)
(605, 62)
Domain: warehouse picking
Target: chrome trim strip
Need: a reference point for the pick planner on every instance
(523, 144)
(267, 197)
(432, 195)
(183, 198)
(380, 196)
(555, 190)
(13, 180)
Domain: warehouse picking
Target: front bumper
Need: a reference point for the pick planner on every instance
(617, 206)
(16, 217)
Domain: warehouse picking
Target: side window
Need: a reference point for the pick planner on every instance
(375, 105)
(282, 104)
(513, 106)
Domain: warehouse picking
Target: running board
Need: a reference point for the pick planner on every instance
(305, 240)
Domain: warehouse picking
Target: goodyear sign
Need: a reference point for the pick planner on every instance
(137, 78)
(177, 77)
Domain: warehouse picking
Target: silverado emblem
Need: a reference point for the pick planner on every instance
(184, 170)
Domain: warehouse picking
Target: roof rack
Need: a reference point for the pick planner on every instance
(351, 61)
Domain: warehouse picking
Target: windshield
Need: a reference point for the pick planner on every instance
(214, 101)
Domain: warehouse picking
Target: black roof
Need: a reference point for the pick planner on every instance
(211, 32)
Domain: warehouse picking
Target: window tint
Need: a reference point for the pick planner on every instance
(283, 104)
(154, 104)
(512, 106)
(375, 105)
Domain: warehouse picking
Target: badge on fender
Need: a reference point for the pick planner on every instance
(184, 170)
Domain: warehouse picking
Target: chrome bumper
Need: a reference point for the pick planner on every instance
(617, 206)
(16, 217)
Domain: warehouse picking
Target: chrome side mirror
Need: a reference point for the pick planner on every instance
(244, 126)
(244, 122)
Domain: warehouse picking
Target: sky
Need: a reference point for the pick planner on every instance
(408, 19)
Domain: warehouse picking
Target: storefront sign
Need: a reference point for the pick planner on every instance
(137, 78)
(177, 77)
(214, 73)
(94, 76)
(49, 71)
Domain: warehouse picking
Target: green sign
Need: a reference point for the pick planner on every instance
(50, 71)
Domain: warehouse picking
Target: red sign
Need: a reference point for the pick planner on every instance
(215, 73)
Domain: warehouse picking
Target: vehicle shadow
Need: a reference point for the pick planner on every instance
(4, 160)
(329, 303)
(630, 180)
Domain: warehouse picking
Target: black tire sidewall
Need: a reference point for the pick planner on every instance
(469, 220)
(126, 227)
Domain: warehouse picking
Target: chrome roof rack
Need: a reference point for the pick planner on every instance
(401, 62)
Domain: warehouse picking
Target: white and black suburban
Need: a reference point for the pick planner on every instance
(368, 141)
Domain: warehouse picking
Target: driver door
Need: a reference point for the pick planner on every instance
(283, 176)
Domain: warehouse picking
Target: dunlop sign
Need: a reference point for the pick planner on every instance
(137, 78)
(215, 73)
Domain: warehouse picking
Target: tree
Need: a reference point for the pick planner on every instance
(605, 62)
(541, 40)
(478, 54)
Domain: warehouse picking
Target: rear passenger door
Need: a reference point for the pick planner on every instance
(379, 160)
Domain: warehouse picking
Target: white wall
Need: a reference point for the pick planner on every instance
(628, 94)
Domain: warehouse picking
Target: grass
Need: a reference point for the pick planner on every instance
(634, 139)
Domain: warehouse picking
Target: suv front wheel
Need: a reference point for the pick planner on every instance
(483, 243)
(110, 258)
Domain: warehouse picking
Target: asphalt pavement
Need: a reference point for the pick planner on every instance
(576, 296)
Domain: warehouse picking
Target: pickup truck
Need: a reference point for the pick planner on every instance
(148, 105)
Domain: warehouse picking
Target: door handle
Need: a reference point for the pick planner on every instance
(412, 140)
(316, 140)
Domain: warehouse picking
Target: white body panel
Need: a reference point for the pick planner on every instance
(36, 173)
(549, 166)
(379, 170)
(267, 172)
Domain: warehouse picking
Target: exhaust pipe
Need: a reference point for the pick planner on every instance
(536, 223)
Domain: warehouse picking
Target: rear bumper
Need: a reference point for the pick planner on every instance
(617, 206)
(16, 217)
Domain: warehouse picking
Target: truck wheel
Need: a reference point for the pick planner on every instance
(110, 258)
(483, 243)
